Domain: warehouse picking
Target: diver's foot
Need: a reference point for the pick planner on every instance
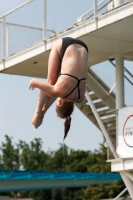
(36, 120)
(41, 118)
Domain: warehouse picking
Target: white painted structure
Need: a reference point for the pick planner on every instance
(125, 132)
(109, 36)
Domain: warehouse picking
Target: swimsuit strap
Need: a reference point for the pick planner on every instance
(78, 82)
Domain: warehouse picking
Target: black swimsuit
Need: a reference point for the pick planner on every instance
(65, 43)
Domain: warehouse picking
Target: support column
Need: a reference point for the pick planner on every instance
(120, 104)
(119, 82)
(118, 3)
(119, 89)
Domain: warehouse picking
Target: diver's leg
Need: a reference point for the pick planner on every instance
(54, 68)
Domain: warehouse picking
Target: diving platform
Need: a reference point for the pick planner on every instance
(107, 36)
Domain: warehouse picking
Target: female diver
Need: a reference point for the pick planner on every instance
(66, 80)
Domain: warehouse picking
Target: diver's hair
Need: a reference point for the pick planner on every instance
(64, 112)
(67, 125)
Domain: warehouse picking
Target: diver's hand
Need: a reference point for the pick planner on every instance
(32, 84)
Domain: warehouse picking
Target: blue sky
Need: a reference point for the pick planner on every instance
(17, 103)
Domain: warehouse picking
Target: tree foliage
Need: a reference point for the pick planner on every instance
(30, 156)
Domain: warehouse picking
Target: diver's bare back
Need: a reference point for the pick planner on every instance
(74, 63)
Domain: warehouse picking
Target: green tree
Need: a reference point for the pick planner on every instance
(103, 191)
(10, 155)
(32, 155)
(97, 160)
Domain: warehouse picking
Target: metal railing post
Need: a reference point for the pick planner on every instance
(95, 9)
(118, 3)
(45, 19)
(4, 37)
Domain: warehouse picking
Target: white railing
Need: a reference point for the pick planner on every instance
(95, 11)
(101, 8)
(5, 27)
(7, 50)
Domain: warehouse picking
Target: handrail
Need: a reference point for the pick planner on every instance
(119, 195)
(5, 29)
(80, 18)
(126, 71)
(21, 25)
(32, 27)
(17, 8)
